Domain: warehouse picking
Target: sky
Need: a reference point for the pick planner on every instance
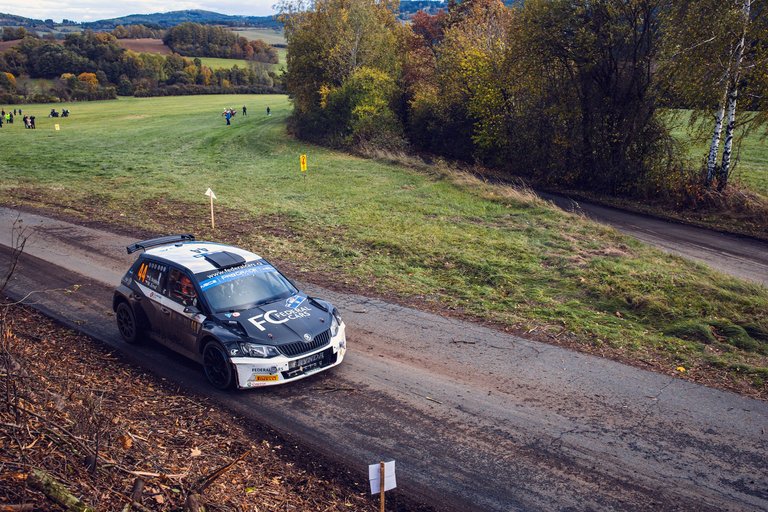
(91, 10)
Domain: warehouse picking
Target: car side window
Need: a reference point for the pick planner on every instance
(181, 288)
(152, 275)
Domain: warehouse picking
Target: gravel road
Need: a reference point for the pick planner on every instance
(476, 419)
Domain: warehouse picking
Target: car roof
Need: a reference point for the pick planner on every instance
(190, 255)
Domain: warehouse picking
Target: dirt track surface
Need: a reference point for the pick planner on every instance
(739, 256)
(476, 419)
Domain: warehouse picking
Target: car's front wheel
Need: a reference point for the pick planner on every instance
(216, 366)
(127, 324)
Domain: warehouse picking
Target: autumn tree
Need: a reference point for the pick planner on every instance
(328, 43)
(7, 82)
(89, 79)
(476, 83)
(596, 62)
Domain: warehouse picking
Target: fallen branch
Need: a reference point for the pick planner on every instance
(193, 503)
(23, 507)
(56, 491)
(206, 481)
(153, 475)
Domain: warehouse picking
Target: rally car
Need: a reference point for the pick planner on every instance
(228, 309)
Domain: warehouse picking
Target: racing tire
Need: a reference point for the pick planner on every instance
(127, 324)
(217, 367)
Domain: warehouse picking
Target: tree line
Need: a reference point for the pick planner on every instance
(91, 65)
(138, 32)
(194, 39)
(576, 93)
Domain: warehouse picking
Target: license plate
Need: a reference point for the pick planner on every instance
(305, 360)
(267, 378)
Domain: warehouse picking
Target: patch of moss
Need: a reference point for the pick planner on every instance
(756, 332)
(692, 330)
(735, 335)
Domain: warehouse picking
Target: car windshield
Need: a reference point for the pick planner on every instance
(244, 287)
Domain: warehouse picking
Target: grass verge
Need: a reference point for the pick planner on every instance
(427, 236)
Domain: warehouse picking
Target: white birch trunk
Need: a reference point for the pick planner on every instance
(725, 167)
(714, 146)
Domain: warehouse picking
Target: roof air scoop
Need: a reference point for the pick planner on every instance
(224, 259)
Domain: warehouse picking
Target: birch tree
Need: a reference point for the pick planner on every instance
(716, 51)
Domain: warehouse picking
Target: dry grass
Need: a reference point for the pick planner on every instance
(145, 45)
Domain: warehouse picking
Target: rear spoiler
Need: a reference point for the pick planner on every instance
(163, 240)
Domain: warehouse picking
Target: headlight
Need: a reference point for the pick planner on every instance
(335, 323)
(263, 351)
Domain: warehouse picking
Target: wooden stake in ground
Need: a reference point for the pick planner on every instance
(210, 194)
(381, 484)
(382, 479)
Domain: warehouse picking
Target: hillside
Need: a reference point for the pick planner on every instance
(173, 18)
(422, 235)
(161, 20)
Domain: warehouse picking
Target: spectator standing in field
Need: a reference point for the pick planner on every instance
(228, 116)
(32, 122)
(245, 111)
(269, 112)
(10, 118)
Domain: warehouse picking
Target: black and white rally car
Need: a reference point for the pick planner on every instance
(228, 309)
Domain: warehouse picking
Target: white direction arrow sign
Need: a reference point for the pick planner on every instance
(210, 194)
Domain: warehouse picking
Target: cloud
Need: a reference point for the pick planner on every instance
(91, 10)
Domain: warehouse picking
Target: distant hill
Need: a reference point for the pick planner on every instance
(11, 20)
(173, 18)
(157, 20)
(164, 20)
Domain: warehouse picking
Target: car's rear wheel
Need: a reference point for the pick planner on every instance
(127, 325)
(217, 367)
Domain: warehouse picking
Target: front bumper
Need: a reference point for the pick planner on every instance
(253, 372)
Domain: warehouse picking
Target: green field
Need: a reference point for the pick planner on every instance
(34, 85)
(215, 63)
(423, 235)
(752, 167)
(268, 35)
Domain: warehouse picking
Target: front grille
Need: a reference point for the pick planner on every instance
(300, 347)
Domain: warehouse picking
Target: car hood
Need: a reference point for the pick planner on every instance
(297, 318)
